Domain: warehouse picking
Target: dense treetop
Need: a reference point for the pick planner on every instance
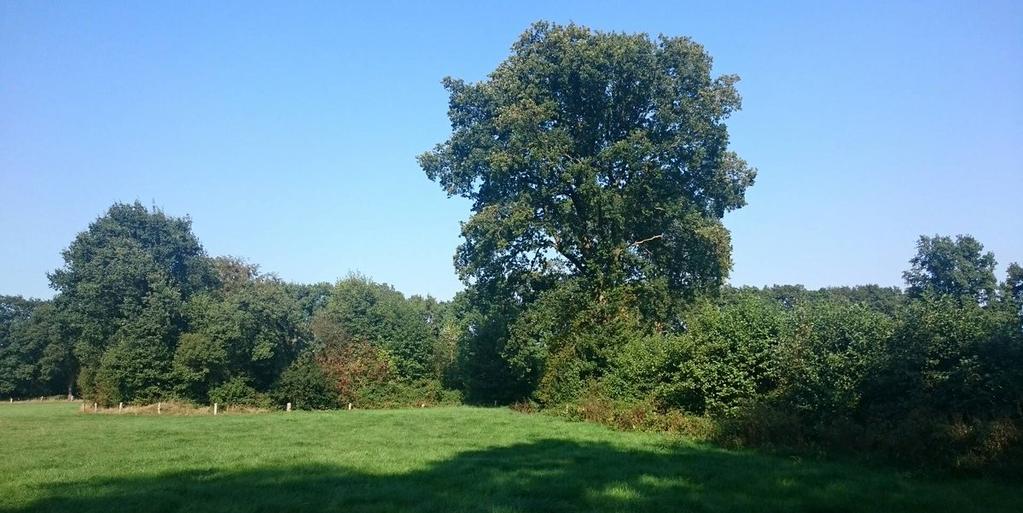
(597, 155)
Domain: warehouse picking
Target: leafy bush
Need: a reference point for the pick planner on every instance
(200, 362)
(305, 386)
(239, 391)
(568, 339)
(633, 415)
(134, 371)
(403, 394)
(725, 359)
(831, 353)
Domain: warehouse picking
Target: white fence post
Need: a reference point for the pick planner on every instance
(120, 407)
(159, 407)
(215, 406)
(289, 407)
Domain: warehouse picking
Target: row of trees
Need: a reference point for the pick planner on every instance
(144, 314)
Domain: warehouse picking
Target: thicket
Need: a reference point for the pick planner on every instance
(938, 382)
(142, 315)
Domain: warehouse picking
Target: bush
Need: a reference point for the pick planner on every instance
(725, 359)
(135, 371)
(633, 415)
(239, 391)
(305, 386)
(639, 368)
(831, 352)
(403, 394)
(569, 338)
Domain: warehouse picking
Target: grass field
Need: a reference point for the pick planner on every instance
(53, 458)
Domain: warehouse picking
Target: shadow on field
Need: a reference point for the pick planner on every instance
(548, 476)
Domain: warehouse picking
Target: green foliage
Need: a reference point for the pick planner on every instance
(1014, 284)
(405, 394)
(830, 355)
(725, 359)
(567, 339)
(483, 370)
(961, 359)
(595, 155)
(306, 386)
(137, 365)
(132, 371)
(259, 324)
(35, 351)
(111, 273)
(14, 309)
(238, 391)
(200, 363)
(378, 314)
(957, 268)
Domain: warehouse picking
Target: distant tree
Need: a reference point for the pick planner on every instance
(886, 300)
(14, 309)
(112, 270)
(788, 296)
(954, 267)
(378, 314)
(35, 354)
(136, 367)
(1014, 282)
(258, 324)
(200, 364)
(234, 272)
(602, 156)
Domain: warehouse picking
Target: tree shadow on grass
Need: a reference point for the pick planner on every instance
(547, 476)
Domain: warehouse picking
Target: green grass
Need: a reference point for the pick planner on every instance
(53, 458)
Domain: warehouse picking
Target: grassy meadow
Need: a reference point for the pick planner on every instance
(459, 459)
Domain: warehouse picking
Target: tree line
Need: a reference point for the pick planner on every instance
(595, 264)
(143, 314)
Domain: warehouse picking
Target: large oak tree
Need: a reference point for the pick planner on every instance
(595, 155)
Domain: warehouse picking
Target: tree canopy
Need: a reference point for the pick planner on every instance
(958, 267)
(596, 155)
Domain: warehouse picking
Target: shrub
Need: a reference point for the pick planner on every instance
(569, 337)
(200, 362)
(305, 386)
(134, 371)
(636, 415)
(403, 394)
(830, 353)
(238, 390)
(725, 359)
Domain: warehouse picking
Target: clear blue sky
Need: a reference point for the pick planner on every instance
(288, 131)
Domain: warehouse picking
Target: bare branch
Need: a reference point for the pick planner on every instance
(648, 239)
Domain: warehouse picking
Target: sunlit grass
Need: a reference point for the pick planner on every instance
(55, 458)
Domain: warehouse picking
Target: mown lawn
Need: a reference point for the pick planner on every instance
(53, 458)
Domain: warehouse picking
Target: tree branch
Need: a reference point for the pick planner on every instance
(648, 239)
